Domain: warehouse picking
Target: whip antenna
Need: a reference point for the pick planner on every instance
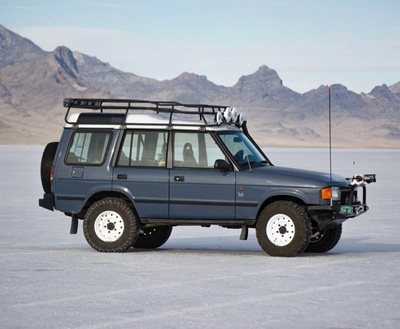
(330, 139)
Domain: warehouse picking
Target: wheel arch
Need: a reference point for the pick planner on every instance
(274, 198)
(104, 194)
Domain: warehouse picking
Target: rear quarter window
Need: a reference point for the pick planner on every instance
(88, 148)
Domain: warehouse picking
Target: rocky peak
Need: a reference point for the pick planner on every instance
(192, 81)
(384, 94)
(187, 77)
(263, 78)
(346, 99)
(90, 63)
(265, 88)
(66, 59)
(380, 90)
(395, 88)
(16, 49)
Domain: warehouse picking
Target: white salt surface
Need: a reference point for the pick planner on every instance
(202, 277)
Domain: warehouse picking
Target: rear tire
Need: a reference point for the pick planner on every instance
(46, 164)
(325, 240)
(283, 229)
(111, 225)
(153, 237)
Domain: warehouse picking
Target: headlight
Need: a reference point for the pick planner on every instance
(333, 193)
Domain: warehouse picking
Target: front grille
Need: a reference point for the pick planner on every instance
(347, 197)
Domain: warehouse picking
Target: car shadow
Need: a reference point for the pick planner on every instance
(231, 244)
(362, 245)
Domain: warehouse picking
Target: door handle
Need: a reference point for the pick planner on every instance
(122, 176)
(179, 178)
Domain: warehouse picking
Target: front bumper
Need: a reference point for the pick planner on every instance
(329, 215)
(353, 202)
(340, 211)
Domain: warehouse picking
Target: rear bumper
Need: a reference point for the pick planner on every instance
(47, 201)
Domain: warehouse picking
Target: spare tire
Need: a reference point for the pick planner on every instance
(45, 165)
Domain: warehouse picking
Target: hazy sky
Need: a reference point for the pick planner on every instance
(308, 42)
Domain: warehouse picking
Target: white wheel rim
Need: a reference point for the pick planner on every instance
(280, 230)
(109, 226)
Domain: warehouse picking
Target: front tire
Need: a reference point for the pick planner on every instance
(283, 229)
(110, 225)
(325, 240)
(153, 237)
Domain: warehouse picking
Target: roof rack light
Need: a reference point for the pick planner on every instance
(241, 119)
(228, 114)
(234, 114)
(219, 118)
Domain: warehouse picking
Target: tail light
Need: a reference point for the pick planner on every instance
(51, 175)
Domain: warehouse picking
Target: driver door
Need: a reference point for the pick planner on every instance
(197, 189)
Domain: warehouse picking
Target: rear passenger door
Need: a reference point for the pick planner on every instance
(197, 190)
(141, 171)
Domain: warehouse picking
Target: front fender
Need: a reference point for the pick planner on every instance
(248, 208)
(304, 195)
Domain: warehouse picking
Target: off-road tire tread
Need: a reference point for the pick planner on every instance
(302, 225)
(328, 241)
(131, 231)
(156, 239)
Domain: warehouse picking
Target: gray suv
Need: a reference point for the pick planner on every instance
(133, 169)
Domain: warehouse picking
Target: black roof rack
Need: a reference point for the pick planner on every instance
(128, 105)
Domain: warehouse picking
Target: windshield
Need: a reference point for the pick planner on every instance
(242, 149)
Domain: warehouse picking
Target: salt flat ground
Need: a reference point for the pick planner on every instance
(202, 277)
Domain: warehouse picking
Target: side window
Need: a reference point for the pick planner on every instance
(88, 148)
(143, 149)
(195, 150)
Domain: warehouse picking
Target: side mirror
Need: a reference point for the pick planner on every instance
(222, 165)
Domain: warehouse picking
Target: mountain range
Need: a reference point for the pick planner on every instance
(33, 83)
